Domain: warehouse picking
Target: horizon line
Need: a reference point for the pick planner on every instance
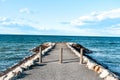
(56, 35)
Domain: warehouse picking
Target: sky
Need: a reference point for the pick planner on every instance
(60, 17)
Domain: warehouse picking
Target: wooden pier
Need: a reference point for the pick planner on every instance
(54, 67)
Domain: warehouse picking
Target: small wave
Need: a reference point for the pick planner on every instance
(12, 58)
(3, 49)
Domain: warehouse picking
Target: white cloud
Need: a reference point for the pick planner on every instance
(65, 28)
(16, 26)
(97, 17)
(3, 19)
(115, 13)
(105, 23)
(25, 10)
(114, 29)
(20, 22)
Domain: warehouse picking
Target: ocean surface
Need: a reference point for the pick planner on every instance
(14, 48)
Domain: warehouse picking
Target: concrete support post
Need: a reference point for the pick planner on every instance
(81, 56)
(61, 55)
(40, 55)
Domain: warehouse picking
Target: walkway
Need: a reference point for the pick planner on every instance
(51, 69)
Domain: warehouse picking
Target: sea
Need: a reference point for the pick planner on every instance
(106, 50)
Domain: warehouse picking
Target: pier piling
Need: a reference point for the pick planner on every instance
(61, 55)
(40, 55)
(81, 56)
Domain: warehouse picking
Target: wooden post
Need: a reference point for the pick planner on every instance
(40, 55)
(81, 56)
(61, 55)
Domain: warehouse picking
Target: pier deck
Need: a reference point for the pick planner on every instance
(51, 69)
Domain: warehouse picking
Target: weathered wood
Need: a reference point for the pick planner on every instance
(81, 56)
(40, 55)
(61, 55)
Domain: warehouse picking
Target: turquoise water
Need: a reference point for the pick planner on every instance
(14, 48)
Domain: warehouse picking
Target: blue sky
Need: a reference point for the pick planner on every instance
(60, 17)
